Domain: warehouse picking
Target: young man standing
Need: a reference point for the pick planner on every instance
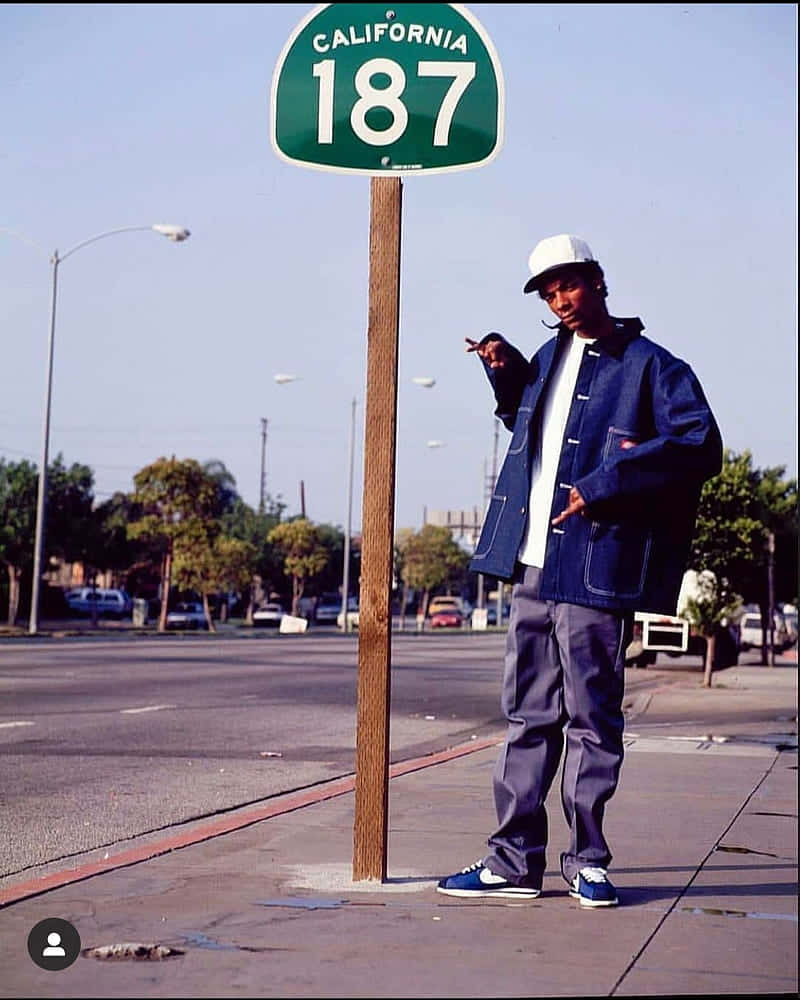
(591, 519)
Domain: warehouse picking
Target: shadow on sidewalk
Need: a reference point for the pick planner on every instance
(636, 896)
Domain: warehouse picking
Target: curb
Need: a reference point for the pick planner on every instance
(236, 820)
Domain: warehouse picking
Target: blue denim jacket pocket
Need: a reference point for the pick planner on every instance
(521, 425)
(617, 559)
(618, 440)
(490, 525)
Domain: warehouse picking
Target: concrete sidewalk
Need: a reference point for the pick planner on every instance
(260, 902)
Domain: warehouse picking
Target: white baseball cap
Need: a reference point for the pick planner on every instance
(556, 251)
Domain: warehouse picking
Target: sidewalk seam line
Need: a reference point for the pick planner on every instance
(689, 884)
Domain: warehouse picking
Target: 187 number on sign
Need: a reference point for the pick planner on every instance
(389, 98)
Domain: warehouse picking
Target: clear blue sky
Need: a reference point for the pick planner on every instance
(665, 135)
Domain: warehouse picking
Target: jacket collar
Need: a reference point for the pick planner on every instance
(615, 343)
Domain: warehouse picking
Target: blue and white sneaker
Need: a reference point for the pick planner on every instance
(593, 888)
(477, 880)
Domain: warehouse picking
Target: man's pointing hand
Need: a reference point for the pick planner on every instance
(493, 352)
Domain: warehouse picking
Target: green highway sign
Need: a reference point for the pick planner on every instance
(384, 89)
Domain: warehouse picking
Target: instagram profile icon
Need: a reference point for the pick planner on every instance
(54, 944)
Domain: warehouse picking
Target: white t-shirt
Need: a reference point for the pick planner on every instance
(547, 450)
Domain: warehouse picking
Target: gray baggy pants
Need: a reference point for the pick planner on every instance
(564, 679)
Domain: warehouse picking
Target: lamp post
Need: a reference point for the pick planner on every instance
(175, 233)
(281, 380)
(771, 594)
(346, 569)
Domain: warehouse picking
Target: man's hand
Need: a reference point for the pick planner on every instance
(493, 352)
(575, 505)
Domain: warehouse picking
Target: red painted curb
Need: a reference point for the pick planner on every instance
(218, 827)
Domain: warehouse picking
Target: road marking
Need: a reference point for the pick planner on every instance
(144, 708)
(8, 725)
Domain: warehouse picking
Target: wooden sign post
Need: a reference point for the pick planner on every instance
(375, 618)
(388, 92)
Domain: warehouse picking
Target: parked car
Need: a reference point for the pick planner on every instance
(491, 613)
(789, 612)
(446, 618)
(187, 615)
(268, 616)
(328, 608)
(105, 602)
(445, 602)
(750, 634)
(750, 630)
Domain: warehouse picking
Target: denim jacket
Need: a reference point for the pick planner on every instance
(639, 443)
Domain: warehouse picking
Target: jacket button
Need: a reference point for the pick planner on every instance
(522, 510)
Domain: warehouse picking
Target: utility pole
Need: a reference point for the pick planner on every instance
(346, 623)
(263, 466)
(476, 534)
(489, 482)
(771, 595)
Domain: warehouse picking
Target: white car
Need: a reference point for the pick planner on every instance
(104, 602)
(750, 635)
(750, 631)
(268, 616)
(187, 615)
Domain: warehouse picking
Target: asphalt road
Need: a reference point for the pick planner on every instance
(105, 739)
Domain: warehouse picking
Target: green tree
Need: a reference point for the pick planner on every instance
(177, 500)
(708, 609)
(404, 544)
(68, 521)
(332, 539)
(204, 558)
(18, 486)
(244, 523)
(207, 562)
(70, 501)
(778, 511)
(429, 558)
(224, 486)
(233, 563)
(111, 547)
(728, 545)
(330, 579)
(303, 552)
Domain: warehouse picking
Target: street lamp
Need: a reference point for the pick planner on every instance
(281, 379)
(346, 566)
(177, 234)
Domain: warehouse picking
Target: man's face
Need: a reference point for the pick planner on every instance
(578, 305)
